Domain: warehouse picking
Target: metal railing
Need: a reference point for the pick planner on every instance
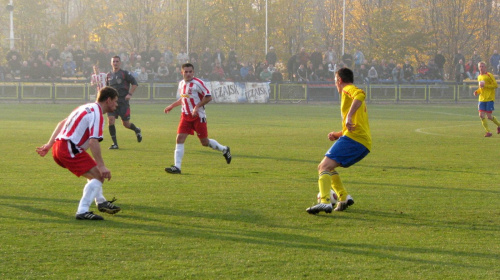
(279, 93)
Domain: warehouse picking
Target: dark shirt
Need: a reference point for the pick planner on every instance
(121, 80)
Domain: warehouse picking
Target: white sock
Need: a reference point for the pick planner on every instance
(100, 197)
(179, 154)
(216, 146)
(89, 193)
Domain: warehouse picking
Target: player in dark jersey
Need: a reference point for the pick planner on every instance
(125, 84)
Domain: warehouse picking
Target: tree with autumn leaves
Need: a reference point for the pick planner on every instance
(382, 29)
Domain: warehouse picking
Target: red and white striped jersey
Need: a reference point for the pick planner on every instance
(84, 123)
(99, 80)
(192, 93)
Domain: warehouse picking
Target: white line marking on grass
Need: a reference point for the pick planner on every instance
(422, 130)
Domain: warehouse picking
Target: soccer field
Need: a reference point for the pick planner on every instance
(426, 198)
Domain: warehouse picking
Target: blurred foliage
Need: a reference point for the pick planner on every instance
(382, 29)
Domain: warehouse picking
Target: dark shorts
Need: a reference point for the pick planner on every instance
(122, 111)
(190, 125)
(487, 107)
(347, 151)
(78, 163)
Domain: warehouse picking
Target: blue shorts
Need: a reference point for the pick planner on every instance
(488, 106)
(347, 151)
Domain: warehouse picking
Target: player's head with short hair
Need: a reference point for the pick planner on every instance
(116, 62)
(346, 75)
(482, 67)
(105, 93)
(187, 70)
(187, 65)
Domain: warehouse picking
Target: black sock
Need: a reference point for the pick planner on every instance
(133, 127)
(112, 132)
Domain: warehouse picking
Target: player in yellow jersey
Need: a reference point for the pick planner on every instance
(352, 144)
(486, 92)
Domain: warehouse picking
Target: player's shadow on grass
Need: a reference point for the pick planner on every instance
(447, 189)
(261, 237)
(409, 168)
(255, 156)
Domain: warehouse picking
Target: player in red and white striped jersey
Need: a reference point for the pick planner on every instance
(194, 95)
(81, 130)
(98, 79)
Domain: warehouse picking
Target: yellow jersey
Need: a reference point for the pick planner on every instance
(361, 133)
(487, 93)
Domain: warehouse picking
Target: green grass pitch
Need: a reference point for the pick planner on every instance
(427, 198)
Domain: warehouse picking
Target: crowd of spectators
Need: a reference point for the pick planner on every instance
(164, 66)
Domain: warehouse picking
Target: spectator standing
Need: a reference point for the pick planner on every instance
(218, 57)
(330, 56)
(125, 84)
(439, 61)
(486, 92)
(302, 57)
(125, 57)
(347, 59)
(103, 59)
(78, 55)
(476, 58)
(182, 57)
(290, 66)
(251, 77)
(316, 58)
(162, 74)
(81, 130)
(25, 71)
(206, 55)
(494, 61)
(53, 53)
(218, 73)
(397, 74)
(69, 67)
(143, 75)
(65, 54)
(155, 52)
(302, 73)
(459, 71)
(244, 71)
(14, 66)
(359, 58)
(169, 56)
(276, 77)
(13, 52)
(423, 71)
(56, 71)
(408, 71)
(93, 54)
(265, 75)
(232, 58)
(87, 67)
(458, 56)
(372, 75)
(194, 95)
(271, 57)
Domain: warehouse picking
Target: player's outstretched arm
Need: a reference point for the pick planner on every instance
(172, 106)
(44, 149)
